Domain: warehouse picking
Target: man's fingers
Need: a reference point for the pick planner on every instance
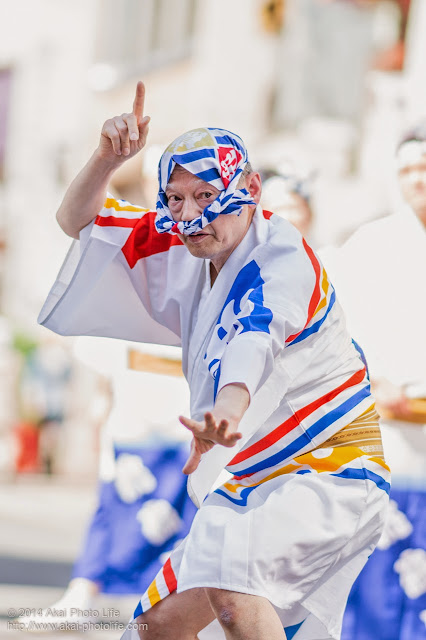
(211, 433)
(223, 425)
(143, 125)
(132, 125)
(232, 439)
(193, 460)
(110, 131)
(210, 420)
(143, 130)
(192, 425)
(138, 103)
(123, 131)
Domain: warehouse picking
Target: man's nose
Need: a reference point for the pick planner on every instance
(189, 210)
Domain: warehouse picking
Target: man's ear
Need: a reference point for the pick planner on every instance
(254, 186)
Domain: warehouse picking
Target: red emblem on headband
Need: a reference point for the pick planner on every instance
(229, 157)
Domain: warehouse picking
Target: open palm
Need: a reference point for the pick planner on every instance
(206, 435)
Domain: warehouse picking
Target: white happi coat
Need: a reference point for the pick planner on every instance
(272, 322)
(379, 275)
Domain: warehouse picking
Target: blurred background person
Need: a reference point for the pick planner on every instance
(44, 398)
(289, 195)
(143, 508)
(380, 275)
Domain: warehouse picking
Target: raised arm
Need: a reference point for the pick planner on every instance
(122, 137)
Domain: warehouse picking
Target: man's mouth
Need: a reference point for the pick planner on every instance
(197, 237)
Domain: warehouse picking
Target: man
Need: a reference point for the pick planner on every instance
(380, 274)
(273, 374)
(288, 194)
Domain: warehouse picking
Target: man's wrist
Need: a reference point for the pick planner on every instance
(232, 401)
(104, 164)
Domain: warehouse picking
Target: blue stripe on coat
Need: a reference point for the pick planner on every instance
(364, 474)
(290, 632)
(243, 495)
(315, 327)
(304, 439)
(347, 474)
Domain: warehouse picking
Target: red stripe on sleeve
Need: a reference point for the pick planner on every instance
(145, 240)
(316, 294)
(169, 576)
(295, 419)
(113, 221)
(267, 214)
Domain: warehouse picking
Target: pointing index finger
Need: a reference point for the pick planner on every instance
(139, 100)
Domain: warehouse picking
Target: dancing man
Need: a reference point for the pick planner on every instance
(280, 397)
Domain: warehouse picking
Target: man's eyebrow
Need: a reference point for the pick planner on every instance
(197, 180)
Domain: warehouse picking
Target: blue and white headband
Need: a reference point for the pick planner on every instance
(216, 156)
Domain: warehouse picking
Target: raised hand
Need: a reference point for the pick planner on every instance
(206, 435)
(122, 137)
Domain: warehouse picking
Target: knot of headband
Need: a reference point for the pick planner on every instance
(216, 156)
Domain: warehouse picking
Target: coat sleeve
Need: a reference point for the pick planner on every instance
(284, 308)
(115, 280)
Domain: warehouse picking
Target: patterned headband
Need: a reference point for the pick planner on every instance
(216, 156)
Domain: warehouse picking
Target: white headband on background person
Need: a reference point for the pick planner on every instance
(410, 153)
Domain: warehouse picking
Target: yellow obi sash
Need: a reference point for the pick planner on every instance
(364, 433)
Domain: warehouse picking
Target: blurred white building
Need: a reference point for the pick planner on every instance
(71, 64)
(65, 66)
(68, 65)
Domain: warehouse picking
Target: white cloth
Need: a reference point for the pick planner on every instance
(271, 321)
(379, 275)
(137, 413)
(128, 282)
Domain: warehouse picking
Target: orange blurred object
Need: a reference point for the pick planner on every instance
(390, 60)
(27, 438)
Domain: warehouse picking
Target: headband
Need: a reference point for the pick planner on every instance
(276, 188)
(410, 153)
(216, 156)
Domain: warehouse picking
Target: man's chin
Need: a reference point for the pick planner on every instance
(198, 244)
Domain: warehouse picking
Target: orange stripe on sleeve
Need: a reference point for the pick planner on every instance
(153, 593)
(111, 203)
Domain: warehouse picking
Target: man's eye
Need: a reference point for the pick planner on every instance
(206, 195)
(173, 198)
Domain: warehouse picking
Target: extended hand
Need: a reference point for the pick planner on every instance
(122, 137)
(206, 435)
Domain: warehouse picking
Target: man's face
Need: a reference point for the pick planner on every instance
(412, 180)
(296, 210)
(187, 197)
